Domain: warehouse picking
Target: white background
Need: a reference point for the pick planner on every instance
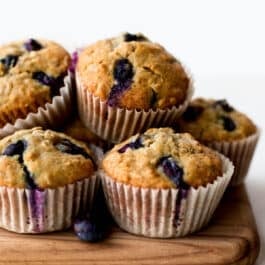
(222, 43)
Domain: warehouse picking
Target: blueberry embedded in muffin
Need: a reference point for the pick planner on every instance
(31, 74)
(215, 120)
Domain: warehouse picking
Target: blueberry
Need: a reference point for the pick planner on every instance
(66, 146)
(228, 124)
(32, 45)
(224, 105)
(116, 92)
(173, 171)
(123, 70)
(29, 179)
(192, 113)
(133, 145)
(87, 230)
(9, 61)
(133, 37)
(17, 148)
(54, 83)
(153, 99)
(93, 225)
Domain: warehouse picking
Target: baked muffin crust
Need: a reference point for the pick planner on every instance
(160, 158)
(43, 159)
(131, 72)
(211, 120)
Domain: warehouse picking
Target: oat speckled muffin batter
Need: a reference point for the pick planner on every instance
(160, 158)
(132, 72)
(43, 159)
(31, 73)
(211, 120)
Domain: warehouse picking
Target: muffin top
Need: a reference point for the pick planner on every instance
(132, 72)
(211, 120)
(160, 158)
(43, 159)
(78, 131)
(31, 73)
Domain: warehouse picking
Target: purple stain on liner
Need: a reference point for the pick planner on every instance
(37, 201)
(181, 197)
(74, 60)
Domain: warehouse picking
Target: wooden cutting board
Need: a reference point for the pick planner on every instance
(231, 238)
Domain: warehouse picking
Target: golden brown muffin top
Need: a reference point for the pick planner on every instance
(160, 158)
(211, 120)
(43, 159)
(132, 72)
(78, 131)
(31, 73)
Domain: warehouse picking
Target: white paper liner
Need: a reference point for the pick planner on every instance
(117, 124)
(49, 116)
(35, 211)
(152, 212)
(240, 153)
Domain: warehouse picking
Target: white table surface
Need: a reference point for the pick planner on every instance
(222, 42)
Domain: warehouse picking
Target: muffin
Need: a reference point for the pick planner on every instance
(78, 131)
(163, 184)
(220, 126)
(32, 74)
(128, 84)
(46, 178)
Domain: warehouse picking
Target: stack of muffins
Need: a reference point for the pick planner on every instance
(163, 160)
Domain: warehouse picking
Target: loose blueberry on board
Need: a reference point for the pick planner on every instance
(66, 146)
(32, 45)
(173, 171)
(228, 124)
(123, 70)
(133, 37)
(94, 225)
(192, 113)
(9, 61)
(224, 105)
(116, 91)
(133, 145)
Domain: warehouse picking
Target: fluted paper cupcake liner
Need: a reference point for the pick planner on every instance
(164, 213)
(49, 116)
(41, 211)
(116, 124)
(240, 153)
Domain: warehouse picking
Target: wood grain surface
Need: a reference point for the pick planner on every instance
(231, 238)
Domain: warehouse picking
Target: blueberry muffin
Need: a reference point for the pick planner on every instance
(132, 72)
(161, 183)
(220, 126)
(31, 74)
(46, 176)
(211, 120)
(131, 83)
